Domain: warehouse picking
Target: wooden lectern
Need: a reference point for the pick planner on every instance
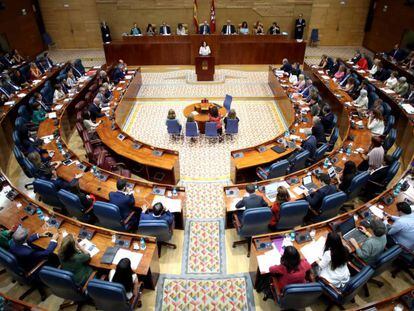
(204, 68)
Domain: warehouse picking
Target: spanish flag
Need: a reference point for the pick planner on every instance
(212, 17)
(195, 18)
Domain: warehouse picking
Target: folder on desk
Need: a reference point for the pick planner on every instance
(109, 255)
(134, 257)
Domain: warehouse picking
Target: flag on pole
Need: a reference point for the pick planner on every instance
(212, 17)
(195, 17)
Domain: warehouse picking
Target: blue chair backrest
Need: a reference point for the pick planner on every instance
(390, 139)
(357, 183)
(385, 260)
(25, 71)
(389, 125)
(9, 262)
(72, 203)
(61, 283)
(211, 129)
(20, 158)
(355, 284)
(331, 205)
(396, 155)
(155, 228)
(278, 169)
(173, 127)
(16, 140)
(299, 162)
(300, 296)
(335, 120)
(191, 129)
(227, 102)
(30, 170)
(315, 34)
(19, 124)
(108, 296)
(108, 215)
(387, 109)
(255, 221)
(333, 139)
(79, 66)
(47, 192)
(392, 171)
(292, 214)
(320, 152)
(46, 95)
(232, 126)
(24, 113)
(372, 97)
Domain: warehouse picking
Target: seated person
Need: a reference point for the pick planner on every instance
(103, 77)
(27, 254)
(124, 199)
(135, 31)
(296, 70)
(340, 73)
(150, 30)
(375, 66)
(402, 230)
(362, 63)
(361, 103)
(101, 96)
(286, 66)
(71, 79)
(74, 258)
(230, 116)
(58, 94)
(381, 74)
(356, 56)
(375, 156)
(204, 49)
(124, 275)
(158, 212)
(258, 28)
(165, 30)
(282, 196)
(318, 131)
(372, 248)
(335, 67)
(181, 31)
(35, 72)
(350, 85)
(39, 115)
(228, 29)
(344, 80)
(347, 175)
(377, 177)
(118, 74)
(325, 63)
(300, 84)
(292, 269)
(392, 81)
(402, 88)
(107, 91)
(172, 116)
(251, 201)
(376, 123)
(315, 198)
(274, 29)
(85, 199)
(204, 29)
(327, 119)
(95, 110)
(309, 143)
(17, 78)
(396, 54)
(333, 264)
(190, 119)
(214, 116)
(244, 29)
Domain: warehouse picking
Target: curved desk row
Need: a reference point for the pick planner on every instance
(402, 71)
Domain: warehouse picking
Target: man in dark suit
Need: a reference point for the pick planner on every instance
(165, 29)
(309, 144)
(158, 212)
(27, 254)
(95, 109)
(124, 199)
(135, 31)
(274, 29)
(252, 201)
(396, 53)
(315, 198)
(286, 66)
(318, 131)
(204, 29)
(105, 32)
(377, 177)
(327, 119)
(300, 25)
(228, 29)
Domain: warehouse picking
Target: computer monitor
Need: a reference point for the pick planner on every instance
(346, 226)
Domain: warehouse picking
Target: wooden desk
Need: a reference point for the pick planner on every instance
(205, 68)
(20, 305)
(182, 50)
(201, 113)
(402, 71)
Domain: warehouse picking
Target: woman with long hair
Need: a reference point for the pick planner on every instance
(334, 261)
(348, 174)
(282, 196)
(230, 116)
(75, 259)
(376, 123)
(126, 277)
(214, 116)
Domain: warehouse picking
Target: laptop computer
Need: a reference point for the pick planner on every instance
(308, 183)
(349, 231)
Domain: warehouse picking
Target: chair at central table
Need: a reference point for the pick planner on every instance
(201, 113)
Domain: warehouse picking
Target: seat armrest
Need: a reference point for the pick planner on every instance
(259, 171)
(36, 268)
(376, 183)
(313, 211)
(121, 164)
(88, 210)
(128, 219)
(353, 266)
(91, 277)
(135, 301)
(359, 260)
(236, 221)
(326, 283)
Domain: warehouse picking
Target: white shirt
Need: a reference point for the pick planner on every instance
(244, 31)
(204, 50)
(57, 95)
(181, 32)
(376, 126)
(338, 277)
(134, 277)
(391, 82)
(374, 69)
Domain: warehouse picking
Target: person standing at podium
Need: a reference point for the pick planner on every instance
(204, 29)
(105, 32)
(228, 29)
(204, 49)
(300, 25)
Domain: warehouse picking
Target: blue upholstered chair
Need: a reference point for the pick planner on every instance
(24, 113)
(47, 192)
(255, 221)
(227, 102)
(9, 262)
(358, 182)
(389, 140)
(73, 205)
(292, 214)
(158, 229)
(191, 130)
(342, 296)
(387, 109)
(331, 204)
(314, 38)
(109, 296)
(232, 127)
(299, 161)
(319, 153)
(389, 125)
(333, 139)
(61, 284)
(174, 128)
(211, 130)
(396, 155)
(109, 217)
(297, 296)
(79, 66)
(384, 263)
(276, 169)
(372, 97)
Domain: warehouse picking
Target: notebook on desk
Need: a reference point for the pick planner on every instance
(109, 255)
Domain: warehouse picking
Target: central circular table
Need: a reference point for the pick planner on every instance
(201, 112)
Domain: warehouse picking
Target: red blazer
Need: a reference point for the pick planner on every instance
(363, 63)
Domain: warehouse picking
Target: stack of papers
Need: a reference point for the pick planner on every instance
(233, 205)
(314, 250)
(268, 259)
(387, 91)
(52, 115)
(376, 211)
(321, 72)
(57, 107)
(89, 247)
(172, 205)
(407, 107)
(127, 77)
(21, 95)
(325, 77)
(134, 257)
(9, 103)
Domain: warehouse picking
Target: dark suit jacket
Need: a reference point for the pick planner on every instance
(327, 122)
(346, 182)
(252, 201)
(164, 216)
(28, 255)
(125, 202)
(286, 67)
(95, 111)
(315, 198)
(232, 29)
(319, 132)
(381, 74)
(207, 30)
(168, 30)
(398, 54)
(310, 145)
(117, 75)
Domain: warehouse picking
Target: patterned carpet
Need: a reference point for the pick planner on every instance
(233, 292)
(204, 247)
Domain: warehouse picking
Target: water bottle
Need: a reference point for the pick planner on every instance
(326, 163)
(349, 149)
(397, 189)
(94, 170)
(292, 236)
(174, 192)
(142, 245)
(286, 134)
(40, 214)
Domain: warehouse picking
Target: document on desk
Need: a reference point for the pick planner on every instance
(387, 91)
(376, 211)
(313, 250)
(134, 257)
(325, 77)
(268, 259)
(173, 205)
(408, 108)
(89, 247)
(271, 189)
(233, 205)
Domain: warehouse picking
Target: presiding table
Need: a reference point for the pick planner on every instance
(201, 113)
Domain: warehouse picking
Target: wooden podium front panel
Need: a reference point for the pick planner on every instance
(205, 68)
